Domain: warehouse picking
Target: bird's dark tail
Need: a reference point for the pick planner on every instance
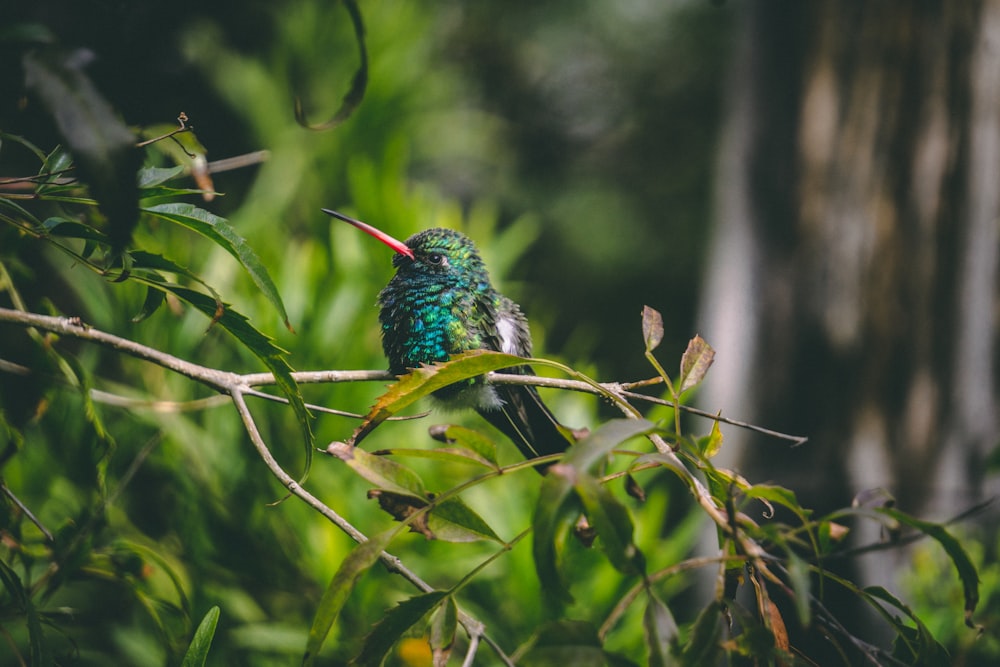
(525, 419)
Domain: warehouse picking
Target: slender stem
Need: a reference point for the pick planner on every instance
(619, 388)
(470, 655)
(670, 387)
(481, 566)
(27, 512)
(72, 326)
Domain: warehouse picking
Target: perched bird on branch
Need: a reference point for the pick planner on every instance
(440, 303)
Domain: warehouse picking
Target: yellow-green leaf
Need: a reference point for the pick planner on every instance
(424, 381)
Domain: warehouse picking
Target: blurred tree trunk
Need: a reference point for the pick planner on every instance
(852, 282)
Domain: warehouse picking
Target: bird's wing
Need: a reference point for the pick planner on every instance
(522, 416)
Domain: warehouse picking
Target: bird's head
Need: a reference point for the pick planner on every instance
(437, 254)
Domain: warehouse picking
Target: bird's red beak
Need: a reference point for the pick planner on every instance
(390, 241)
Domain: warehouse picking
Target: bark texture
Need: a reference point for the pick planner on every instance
(852, 287)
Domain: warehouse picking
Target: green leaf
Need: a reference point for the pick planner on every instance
(335, 597)
(379, 471)
(359, 83)
(197, 652)
(142, 260)
(913, 646)
(102, 145)
(144, 553)
(770, 493)
(652, 328)
(79, 376)
(424, 381)
(703, 646)
(20, 213)
(72, 229)
(590, 450)
(667, 461)
(165, 194)
(139, 261)
(260, 345)
(930, 652)
(566, 642)
(713, 443)
(449, 454)
(57, 165)
(798, 576)
(394, 625)
(220, 232)
(149, 177)
(154, 299)
(443, 630)
(19, 140)
(468, 438)
(401, 493)
(559, 504)
(661, 631)
(966, 570)
(612, 521)
(557, 510)
(695, 362)
(38, 647)
(452, 520)
(722, 482)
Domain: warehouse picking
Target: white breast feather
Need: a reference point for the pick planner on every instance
(507, 331)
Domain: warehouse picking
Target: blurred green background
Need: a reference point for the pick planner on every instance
(577, 142)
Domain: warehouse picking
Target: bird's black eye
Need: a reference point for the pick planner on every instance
(435, 258)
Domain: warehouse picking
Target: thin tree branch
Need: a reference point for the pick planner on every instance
(221, 380)
(619, 389)
(237, 386)
(472, 626)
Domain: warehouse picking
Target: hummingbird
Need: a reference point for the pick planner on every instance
(440, 302)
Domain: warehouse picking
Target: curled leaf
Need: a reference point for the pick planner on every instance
(358, 84)
(403, 507)
(634, 489)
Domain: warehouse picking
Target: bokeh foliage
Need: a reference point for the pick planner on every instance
(159, 511)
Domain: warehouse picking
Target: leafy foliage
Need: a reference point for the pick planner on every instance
(112, 489)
